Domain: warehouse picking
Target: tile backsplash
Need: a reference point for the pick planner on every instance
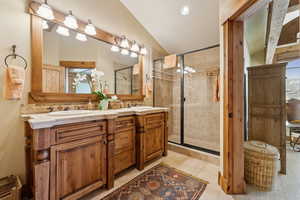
(50, 107)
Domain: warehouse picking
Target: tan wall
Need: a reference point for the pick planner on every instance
(15, 29)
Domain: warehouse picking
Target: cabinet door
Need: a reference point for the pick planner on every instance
(154, 140)
(77, 168)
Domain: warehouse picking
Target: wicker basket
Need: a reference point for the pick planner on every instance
(10, 188)
(260, 164)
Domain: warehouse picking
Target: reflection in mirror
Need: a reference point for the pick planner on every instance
(81, 65)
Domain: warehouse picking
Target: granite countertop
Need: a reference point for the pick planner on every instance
(48, 120)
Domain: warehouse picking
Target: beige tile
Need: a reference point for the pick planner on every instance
(285, 187)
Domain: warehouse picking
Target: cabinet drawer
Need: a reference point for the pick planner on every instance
(125, 123)
(154, 119)
(124, 160)
(67, 133)
(124, 140)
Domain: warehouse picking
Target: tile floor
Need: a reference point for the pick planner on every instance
(285, 187)
(195, 167)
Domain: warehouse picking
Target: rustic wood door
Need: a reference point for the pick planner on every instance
(154, 140)
(267, 107)
(53, 79)
(77, 168)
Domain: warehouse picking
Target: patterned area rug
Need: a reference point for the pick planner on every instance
(160, 183)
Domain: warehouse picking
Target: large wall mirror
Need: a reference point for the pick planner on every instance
(69, 67)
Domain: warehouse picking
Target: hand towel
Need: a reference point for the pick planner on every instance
(170, 61)
(216, 96)
(136, 69)
(14, 80)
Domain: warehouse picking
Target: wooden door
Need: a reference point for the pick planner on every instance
(267, 111)
(154, 140)
(53, 79)
(77, 168)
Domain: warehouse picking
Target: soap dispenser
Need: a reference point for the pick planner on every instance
(90, 105)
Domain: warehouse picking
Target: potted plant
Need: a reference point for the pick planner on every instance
(103, 100)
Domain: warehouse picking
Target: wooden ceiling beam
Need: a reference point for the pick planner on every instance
(279, 10)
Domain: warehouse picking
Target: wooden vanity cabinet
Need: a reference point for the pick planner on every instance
(125, 142)
(152, 137)
(69, 161)
(77, 167)
(66, 162)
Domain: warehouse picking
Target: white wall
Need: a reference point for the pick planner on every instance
(15, 29)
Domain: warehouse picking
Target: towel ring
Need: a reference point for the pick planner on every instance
(14, 55)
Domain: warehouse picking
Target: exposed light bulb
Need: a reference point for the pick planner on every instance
(124, 52)
(115, 48)
(62, 31)
(45, 11)
(185, 10)
(90, 28)
(143, 51)
(124, 42)
(135, 47)
(45, 24)
(81, 37)
(133, 55)
(71, 21)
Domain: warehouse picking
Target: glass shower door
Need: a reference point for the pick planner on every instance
(201, 108)
(167, 94)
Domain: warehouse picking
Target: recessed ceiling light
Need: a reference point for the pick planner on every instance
(185, 10)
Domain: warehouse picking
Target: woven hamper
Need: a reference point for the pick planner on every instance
(260, 164)
(10, 188)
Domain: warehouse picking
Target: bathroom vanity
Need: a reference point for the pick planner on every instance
(71, 155)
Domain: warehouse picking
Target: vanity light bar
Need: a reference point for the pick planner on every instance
(81, 37)
(45, 24)
(132, 48)
(45, 11)
(63, 31)
(70, 21)
(90, 28)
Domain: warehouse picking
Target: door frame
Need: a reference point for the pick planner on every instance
(232, 15)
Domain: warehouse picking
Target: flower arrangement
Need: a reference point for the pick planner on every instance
(96, 80)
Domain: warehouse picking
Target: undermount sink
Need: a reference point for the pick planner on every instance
(70, 112)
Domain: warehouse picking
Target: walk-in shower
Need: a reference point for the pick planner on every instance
(191, 91)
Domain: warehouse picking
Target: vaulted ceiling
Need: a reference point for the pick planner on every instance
(177, 33)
